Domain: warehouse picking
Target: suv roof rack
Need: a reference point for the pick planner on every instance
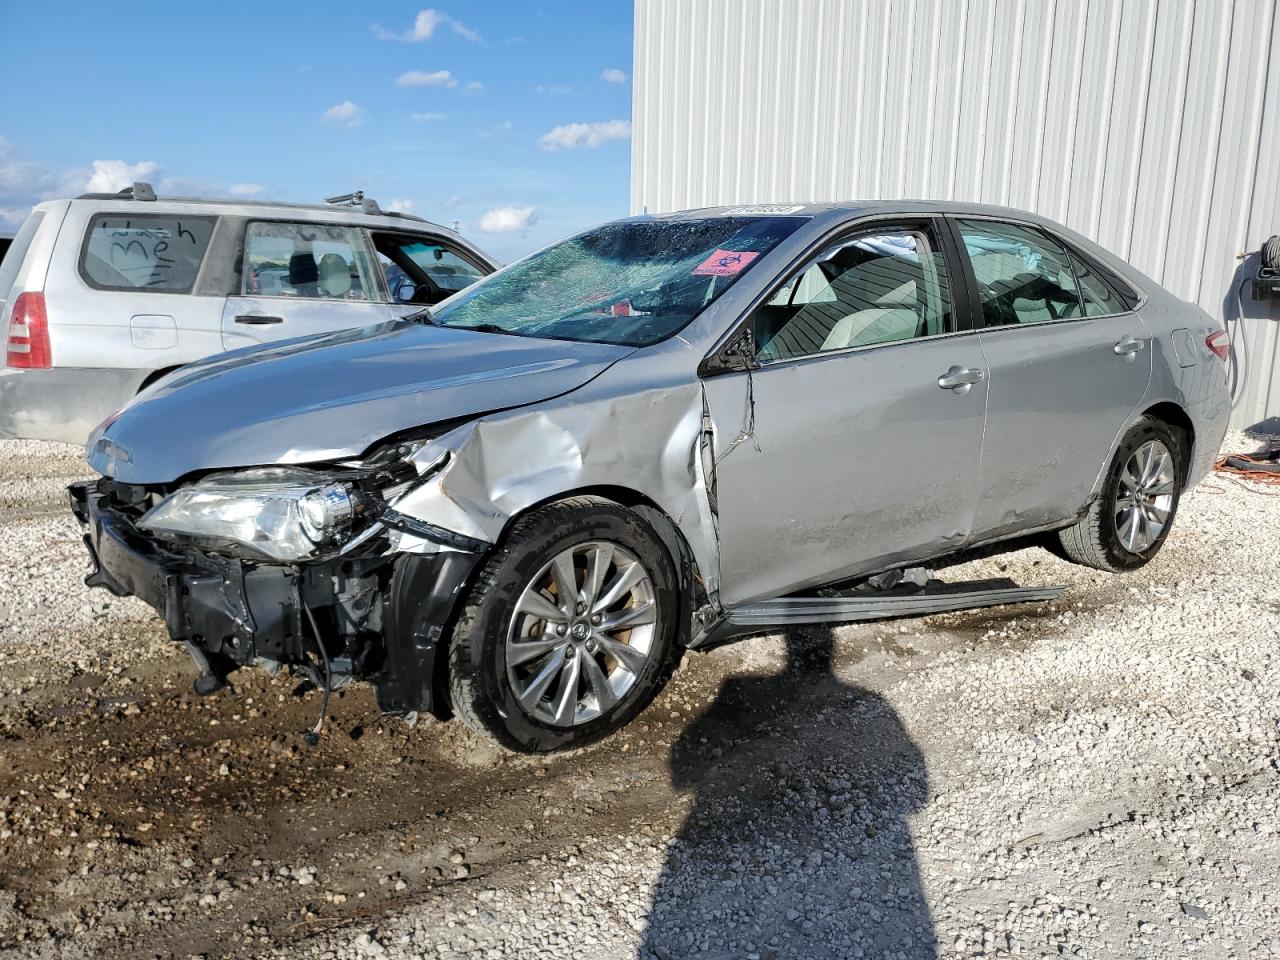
(140, 190)
(143, 191)
(355, 199)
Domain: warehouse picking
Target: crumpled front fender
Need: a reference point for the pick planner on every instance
(648, 441)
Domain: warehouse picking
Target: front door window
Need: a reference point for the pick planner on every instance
(418, 270)
(877, 287)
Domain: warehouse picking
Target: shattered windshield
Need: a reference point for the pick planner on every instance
(631, 283)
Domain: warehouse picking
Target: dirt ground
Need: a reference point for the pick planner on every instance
(1093, 777)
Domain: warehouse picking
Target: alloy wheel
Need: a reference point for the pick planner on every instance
(1144, 499)
(581, 634)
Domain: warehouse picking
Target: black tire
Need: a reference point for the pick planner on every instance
(479, 688)
(1095, 540)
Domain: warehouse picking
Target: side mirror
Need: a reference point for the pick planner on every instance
(405, 291)
(737, 356)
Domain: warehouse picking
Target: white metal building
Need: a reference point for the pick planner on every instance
(1152, 126)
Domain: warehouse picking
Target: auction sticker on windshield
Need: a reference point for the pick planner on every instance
(763, 210)
(724, 263)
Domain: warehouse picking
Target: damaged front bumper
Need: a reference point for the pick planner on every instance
(374, 614)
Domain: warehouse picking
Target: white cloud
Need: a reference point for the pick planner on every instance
(613, 75)
(475, 86)
(552, 89)
(508, 219)
(24, 183)
(421, 78)
(245, 189)
(570, 136)
(110, 176)
(344, 114)
(403, 205)
(15, 173)
(427, 117)
(424, 27)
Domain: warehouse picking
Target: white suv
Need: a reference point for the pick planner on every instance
(102, 295)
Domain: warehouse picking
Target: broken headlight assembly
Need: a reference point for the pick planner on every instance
(274, 513)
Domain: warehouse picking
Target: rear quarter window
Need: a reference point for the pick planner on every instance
(145, 252)
(17, 252)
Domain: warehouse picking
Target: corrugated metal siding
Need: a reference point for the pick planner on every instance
(1152, 126)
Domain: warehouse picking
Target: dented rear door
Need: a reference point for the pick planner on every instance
(1066, 376)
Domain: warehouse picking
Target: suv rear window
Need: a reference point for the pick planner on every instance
(161, 252)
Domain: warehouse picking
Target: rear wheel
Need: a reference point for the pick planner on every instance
(568, 632)
(1128, 522)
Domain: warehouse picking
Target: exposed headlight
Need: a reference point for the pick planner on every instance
(281, 513)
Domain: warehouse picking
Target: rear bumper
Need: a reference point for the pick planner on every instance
(62, 403)
(245, 612)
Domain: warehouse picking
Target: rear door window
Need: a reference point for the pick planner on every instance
(311, 261)
(17, 252)
(1022, 275)
(420, 270)
(155, 252)
(1099, 299)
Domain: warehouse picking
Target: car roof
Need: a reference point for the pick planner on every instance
(832, 213)
(852, 208)
(368, 213)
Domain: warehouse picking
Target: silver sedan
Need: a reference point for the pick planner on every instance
(522, 507)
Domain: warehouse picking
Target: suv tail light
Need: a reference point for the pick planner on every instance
(28, 344)
(1219, 343)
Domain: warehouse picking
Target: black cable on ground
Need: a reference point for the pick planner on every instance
(1239, 358)
(312, 736)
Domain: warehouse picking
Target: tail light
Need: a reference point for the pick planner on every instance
(1219, 343)
(28, 344)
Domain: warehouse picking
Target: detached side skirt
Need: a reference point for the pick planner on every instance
(934, 597)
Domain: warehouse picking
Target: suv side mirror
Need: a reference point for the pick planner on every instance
(405, 291)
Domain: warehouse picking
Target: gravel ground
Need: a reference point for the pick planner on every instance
(1095, 777)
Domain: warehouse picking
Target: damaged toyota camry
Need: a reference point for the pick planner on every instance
(522, 507)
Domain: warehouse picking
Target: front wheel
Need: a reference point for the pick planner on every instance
(569, 630)
(1128, 522)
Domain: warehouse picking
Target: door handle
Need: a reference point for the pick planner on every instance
(960, 379)
(1128, 346)
(258, 319)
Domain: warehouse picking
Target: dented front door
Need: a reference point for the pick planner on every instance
(843, 463)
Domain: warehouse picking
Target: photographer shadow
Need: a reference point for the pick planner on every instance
(797, 843)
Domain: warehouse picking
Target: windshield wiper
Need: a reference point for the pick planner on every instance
(421, 316)
(483, 328)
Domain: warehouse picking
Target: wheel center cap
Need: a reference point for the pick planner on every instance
(580, 631)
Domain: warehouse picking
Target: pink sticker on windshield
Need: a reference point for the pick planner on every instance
(724, 263)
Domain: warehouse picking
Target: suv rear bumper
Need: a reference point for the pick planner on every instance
(62, 403)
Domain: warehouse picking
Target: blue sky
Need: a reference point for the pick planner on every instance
(511, 118)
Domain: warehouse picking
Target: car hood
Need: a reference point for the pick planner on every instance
(331, 397)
